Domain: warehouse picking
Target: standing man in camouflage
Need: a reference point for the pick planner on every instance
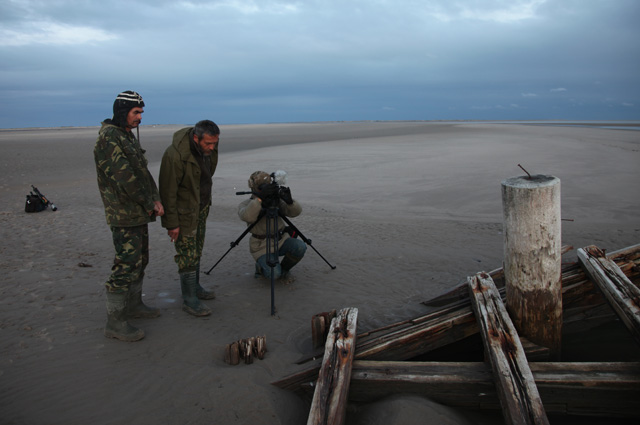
(131, 200)
(186, 174)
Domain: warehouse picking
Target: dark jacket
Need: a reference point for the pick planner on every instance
(127, 188)
(180, 183)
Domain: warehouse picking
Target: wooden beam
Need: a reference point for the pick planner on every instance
(586, 388)
(620, 292)
(400, 341)
(519, 397)
(628, 259)
(329, 404)
(461, 292)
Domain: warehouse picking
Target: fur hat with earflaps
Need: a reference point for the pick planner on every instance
(125, 101)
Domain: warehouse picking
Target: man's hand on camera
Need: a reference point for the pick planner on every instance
(285, 195)
(267, 190)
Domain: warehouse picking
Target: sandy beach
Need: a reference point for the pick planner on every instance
(404, 210)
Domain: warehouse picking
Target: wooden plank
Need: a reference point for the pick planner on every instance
(620, 292)
(329, 404)
(519, 397)
(461, 292)
(627, 258)
(595, 389)
(402, 341)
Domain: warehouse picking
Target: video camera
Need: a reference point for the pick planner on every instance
(271, 193)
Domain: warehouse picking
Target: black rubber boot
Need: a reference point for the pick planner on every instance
(189, 286)
(135, 307)
(117, 326)
(202, 293)
(288, 262)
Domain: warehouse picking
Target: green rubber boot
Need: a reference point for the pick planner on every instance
(135, 307)
(117, 326)
(191, 304)
(202, 293)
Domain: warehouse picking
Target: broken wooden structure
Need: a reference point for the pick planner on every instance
(246, 349)
(471, 323)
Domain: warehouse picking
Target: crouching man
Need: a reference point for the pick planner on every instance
(267, 194)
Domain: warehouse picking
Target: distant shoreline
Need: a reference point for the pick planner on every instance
(627, 125)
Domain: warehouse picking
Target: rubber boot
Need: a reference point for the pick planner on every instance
(202, 293)
(135, 307)
(189, 286)
(117, 326)
(286, 265)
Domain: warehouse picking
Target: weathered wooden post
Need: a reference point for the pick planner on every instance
(532, 258)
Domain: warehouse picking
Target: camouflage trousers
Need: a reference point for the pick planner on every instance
(132, 256)
(189, 247)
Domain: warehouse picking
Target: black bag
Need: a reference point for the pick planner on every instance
(34, 204)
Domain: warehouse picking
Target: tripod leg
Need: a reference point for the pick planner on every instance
(272, 251)
(237, 241)
(307, 241)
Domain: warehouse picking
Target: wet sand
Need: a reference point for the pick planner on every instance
(404, 210)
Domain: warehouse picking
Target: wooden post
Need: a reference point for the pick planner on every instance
(532, 258)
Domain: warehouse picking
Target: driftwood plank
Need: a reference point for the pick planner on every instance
(620, 292)
(518, 394)
(461, 291)
(329, 404)
(628, 259)
(609, 389)
(402, 341)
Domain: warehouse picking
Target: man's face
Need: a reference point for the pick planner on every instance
(134, 117)
(207, 143)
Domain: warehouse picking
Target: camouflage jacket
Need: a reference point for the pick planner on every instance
(127, 188)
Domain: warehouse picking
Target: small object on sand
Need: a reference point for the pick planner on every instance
(245, 349)
(81, 264)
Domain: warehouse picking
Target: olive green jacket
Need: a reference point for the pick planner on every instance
(180, 183)
(127, 188)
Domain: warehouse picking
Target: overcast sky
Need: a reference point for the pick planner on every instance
(63, 62)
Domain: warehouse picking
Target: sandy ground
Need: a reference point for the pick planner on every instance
(404, 210)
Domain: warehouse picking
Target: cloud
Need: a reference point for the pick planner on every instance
(491, 11)
(284, 60)
(51, 33)
(244, 7)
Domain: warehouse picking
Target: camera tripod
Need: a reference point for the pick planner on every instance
(271, 213)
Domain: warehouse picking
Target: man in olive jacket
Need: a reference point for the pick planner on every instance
(186, 174)
(131, 201)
